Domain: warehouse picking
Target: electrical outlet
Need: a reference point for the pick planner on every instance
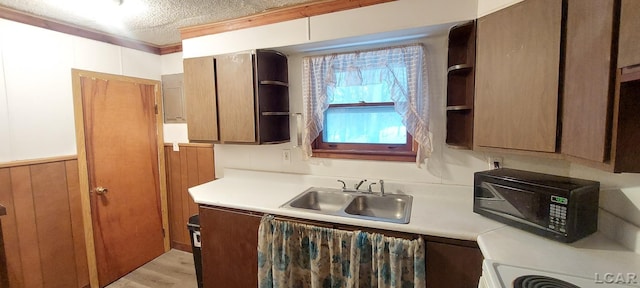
(286, 156)
(495, 162)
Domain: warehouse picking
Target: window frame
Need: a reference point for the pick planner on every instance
(365, 151)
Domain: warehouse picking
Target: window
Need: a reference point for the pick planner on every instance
(367, 105)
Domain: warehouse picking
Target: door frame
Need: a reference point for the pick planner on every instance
(83, 171)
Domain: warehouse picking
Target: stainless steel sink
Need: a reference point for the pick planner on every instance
(395, 208)
(321, 200)
(388, 207)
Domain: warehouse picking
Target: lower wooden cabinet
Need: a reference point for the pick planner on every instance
(453, 265)
(229, 248)
(230, 257)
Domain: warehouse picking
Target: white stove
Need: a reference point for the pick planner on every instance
(498, 275)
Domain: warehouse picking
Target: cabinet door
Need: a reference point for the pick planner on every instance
(517, 75)
(236, 98)
(629, 47)
(453, 266)
(588, 89)
(200, 95)
(229, 248)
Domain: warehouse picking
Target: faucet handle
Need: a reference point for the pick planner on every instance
(344, 185)
(357, 186)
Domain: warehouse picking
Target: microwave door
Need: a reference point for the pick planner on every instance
(494, 200)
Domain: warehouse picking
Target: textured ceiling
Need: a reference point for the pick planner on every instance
(151, 21)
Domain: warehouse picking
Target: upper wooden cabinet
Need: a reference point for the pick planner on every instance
(600, 123)
(588, 89)
(517, 77)
(243, 96)
(235, 97)
(200, 95)
(629, 48)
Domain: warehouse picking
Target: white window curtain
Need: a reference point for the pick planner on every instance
(408, 91)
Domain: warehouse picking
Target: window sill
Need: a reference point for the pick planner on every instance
(365, 155)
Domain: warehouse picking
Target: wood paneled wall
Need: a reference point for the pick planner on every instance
(4, 277)
(190, 166)
(43, 230)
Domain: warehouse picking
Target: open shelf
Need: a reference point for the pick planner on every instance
(460, 68)
(461, 86)
(272, 96)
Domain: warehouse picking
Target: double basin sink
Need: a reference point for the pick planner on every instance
(395, 208)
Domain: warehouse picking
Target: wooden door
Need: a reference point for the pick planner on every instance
(588, 86)
(123, 171)
(517, 76)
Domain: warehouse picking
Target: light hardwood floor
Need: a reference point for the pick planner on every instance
(173, 269)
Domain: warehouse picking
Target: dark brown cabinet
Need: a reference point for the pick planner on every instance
(230, 241)
(229, 248)
(453, 264)
(517, 77)
(460, 85)
(238, 98)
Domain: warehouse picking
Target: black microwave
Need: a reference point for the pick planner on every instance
(561, 208)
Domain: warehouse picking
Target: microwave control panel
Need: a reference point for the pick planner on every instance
(558, 214)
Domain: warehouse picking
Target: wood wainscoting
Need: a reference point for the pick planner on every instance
(192, 165)
(43, 230)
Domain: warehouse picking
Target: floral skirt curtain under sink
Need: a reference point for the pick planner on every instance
(298, 255)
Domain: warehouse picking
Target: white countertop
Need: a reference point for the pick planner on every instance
(585, 257)
(437, 210)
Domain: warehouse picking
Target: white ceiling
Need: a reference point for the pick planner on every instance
(152, 21)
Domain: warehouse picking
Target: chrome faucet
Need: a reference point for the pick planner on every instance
(356, 187)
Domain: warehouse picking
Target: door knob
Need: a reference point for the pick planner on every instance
(101, 190)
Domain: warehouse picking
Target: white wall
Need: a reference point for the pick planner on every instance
(36, 92)
(5, 148)
(381, 18)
